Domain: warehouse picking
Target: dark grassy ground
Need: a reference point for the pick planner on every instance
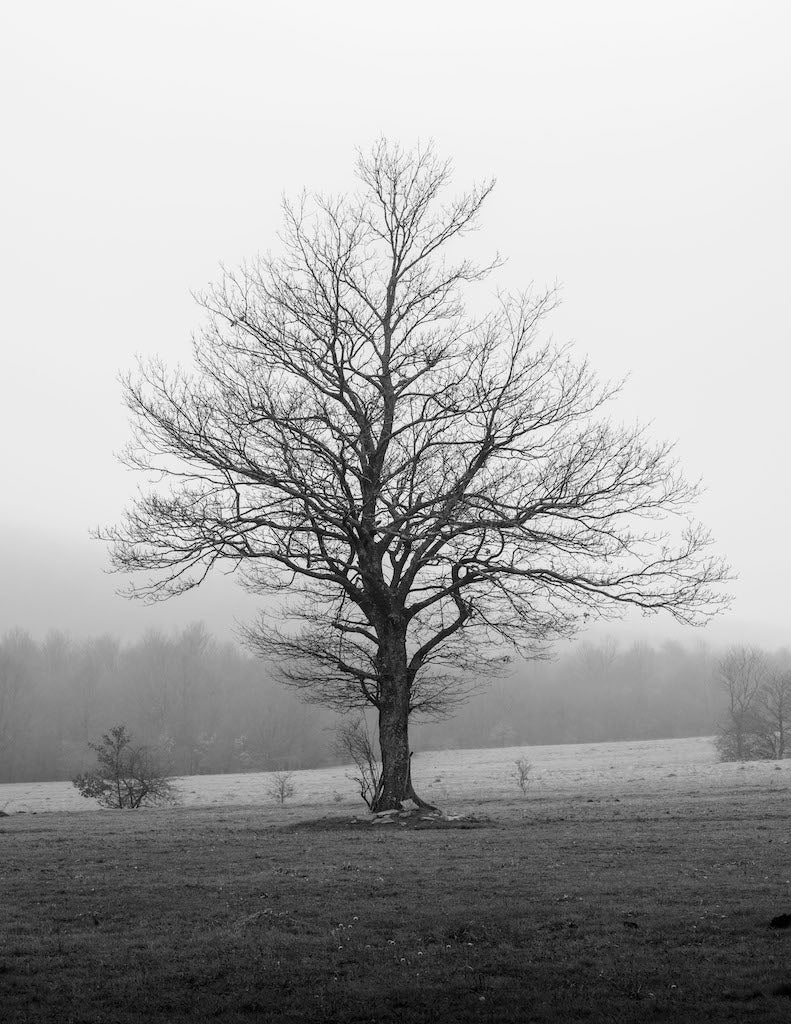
(638, 910)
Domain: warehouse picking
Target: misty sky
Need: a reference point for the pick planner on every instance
(643, 160)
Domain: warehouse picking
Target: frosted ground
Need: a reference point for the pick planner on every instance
(679, 767)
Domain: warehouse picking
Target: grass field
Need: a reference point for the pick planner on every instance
(646, 906)
(656, 767)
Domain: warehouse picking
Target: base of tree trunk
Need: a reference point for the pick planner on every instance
(415, 819)
(382, 804)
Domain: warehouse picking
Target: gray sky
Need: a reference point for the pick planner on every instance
(643, 160)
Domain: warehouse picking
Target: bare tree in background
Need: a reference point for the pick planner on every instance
(427, 487)
(759, 702)
(281, 787)
(775, 713)
(523, 774)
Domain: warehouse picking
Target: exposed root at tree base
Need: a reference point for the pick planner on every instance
(423, 805)
(410, 798)
(423, 818)
(411, 802)
(414, 819)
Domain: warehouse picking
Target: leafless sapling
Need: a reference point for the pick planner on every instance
(353, 740)
(523, 773)
(281, 786)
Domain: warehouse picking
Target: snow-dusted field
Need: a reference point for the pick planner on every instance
(668, 767)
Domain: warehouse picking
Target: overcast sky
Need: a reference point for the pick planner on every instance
(643, 159)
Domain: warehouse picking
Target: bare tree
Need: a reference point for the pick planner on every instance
(774, 709)
(354, 741)
(428, 488)
(523, 773)
(281, 786)
(127, 775)
(743, 673)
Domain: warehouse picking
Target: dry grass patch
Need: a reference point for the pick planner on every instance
(604, 911)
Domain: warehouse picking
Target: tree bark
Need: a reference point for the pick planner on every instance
(394, 745)
(394, 728)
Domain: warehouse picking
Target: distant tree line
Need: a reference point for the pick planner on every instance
(211, 707)
(208, 707)
(594, 692)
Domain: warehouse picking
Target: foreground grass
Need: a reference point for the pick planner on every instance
(602, 911)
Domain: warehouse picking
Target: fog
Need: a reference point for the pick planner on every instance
(642, 162)
(210, 708)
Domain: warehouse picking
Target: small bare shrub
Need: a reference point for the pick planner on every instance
(355, 742)
(523, 774)
(280, 787)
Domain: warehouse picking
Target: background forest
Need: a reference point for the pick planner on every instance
(214, 708)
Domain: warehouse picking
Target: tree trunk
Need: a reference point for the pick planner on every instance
(394, 729)
(394, 745)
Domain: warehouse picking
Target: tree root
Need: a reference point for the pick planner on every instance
(424, 805)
